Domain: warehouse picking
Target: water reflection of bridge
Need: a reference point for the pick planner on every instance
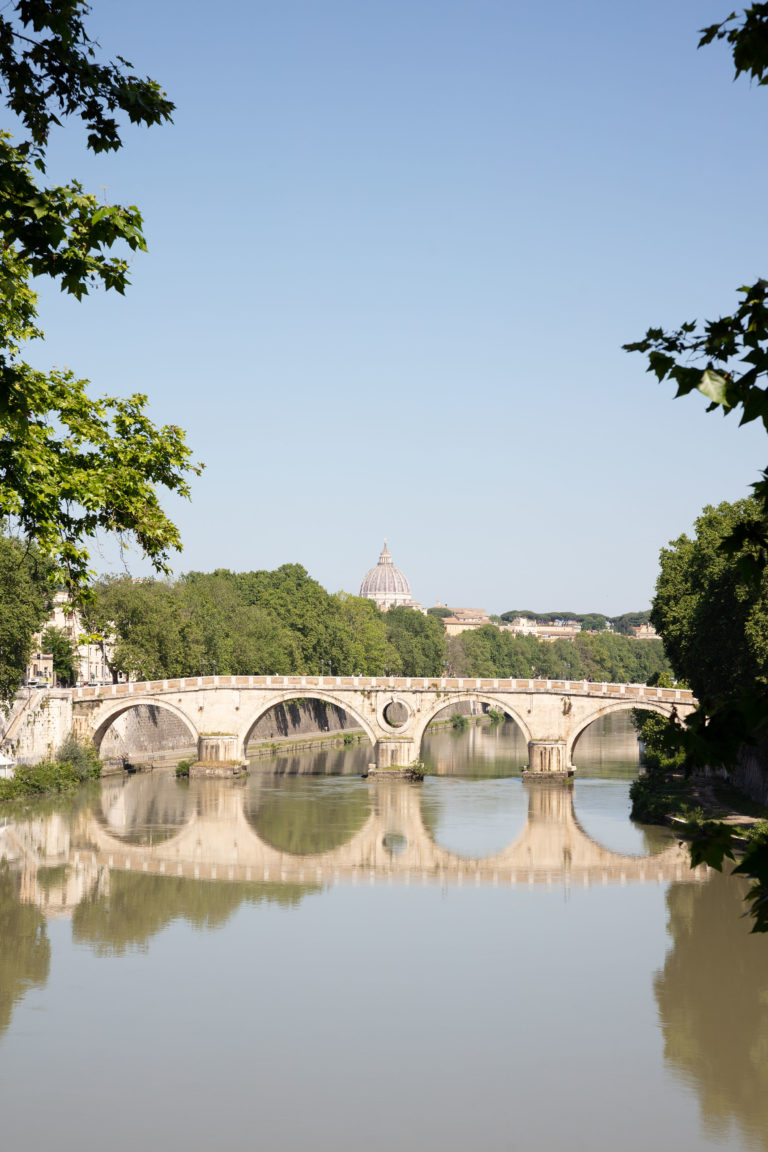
(216, 839)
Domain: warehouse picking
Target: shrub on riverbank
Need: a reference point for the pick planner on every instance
(662, 790)
(75, 763)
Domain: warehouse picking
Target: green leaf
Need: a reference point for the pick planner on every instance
(711, 844)
(715, 386)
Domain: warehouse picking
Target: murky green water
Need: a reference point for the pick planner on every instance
(310, 960)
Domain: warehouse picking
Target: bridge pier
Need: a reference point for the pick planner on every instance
(548, 760)
(393, 754)
(218, 755)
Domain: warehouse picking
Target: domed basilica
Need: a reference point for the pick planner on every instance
(387, 586)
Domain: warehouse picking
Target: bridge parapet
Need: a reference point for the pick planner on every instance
(386, 683)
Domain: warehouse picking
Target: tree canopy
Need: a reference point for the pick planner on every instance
(726, 360)
(713, 618)
(25, 601)
(71, 465)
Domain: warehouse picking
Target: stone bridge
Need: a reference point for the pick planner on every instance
(218, 841)
(220, 712)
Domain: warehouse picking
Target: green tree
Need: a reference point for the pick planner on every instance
(139, 626)
(712, 617)
(311, 614)
(727, 361)
(417, 643)
(628, 620)
(24, 605)
(367, 647)
(71, 465)
(64, 651)
(594, 622)
(224, 633)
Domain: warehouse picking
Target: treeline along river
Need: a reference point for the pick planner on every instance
(310, 959)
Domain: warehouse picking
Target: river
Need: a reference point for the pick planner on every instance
(311, 960)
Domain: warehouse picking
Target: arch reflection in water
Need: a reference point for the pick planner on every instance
(290, 815)
(145, 809)
(223, 839)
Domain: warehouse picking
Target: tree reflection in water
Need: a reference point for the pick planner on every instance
(25, 950)
(712, 997)
(124, 916)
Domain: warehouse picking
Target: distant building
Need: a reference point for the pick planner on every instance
(387, 585)
(464, 620)
(91, 663)
(645, 632)
(552, 630)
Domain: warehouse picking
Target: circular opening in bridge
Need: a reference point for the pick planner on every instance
(395, 714)
(395, 843)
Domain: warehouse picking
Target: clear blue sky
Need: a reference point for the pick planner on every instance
(395, 249)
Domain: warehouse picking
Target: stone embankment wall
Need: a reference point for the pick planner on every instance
(301, 718)
(751, 771)
(38, 723)
(144, 732)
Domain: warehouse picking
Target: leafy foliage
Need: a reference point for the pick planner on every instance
(24, 604)
(488, 651)
(48, 72)
(594, 622)
(75, 763)
(726, 360)
(712, 617)
(70, 465)
(62, 648)
(660, 791)
(255, 623)
(417, 643)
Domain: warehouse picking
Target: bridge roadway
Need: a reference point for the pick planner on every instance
(219, 841)
(220, 712)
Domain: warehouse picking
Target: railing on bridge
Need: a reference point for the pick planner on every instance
(409, 683)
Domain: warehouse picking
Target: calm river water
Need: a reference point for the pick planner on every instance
(311, 960)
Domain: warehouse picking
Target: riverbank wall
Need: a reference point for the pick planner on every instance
(37, 723)
(750, 772)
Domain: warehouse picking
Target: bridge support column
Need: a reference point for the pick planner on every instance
(394, 755)
(218, 755)
(547, 760)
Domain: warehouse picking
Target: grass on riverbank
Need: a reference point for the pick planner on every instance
(74, 764)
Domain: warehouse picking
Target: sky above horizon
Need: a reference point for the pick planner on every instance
(394, 251)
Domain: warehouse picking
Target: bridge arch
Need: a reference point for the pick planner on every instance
(108, 715)
(338, 700)
(607, 707)
(428, 715)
